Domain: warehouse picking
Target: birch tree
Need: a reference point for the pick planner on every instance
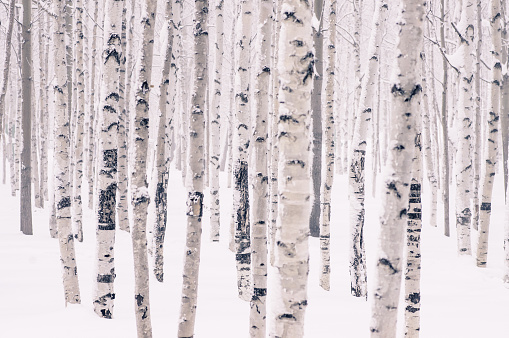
(215, 119)
(259, 177)
(139, 185)
(295, 65)
(162, 151)
(491, 145)
(7, 61)
(26, 108)
(241, 146)
(194, 177)
(356, 192)
(328, 138)
(464, 162)
(107, 160)
(61, 163)
(405, 94)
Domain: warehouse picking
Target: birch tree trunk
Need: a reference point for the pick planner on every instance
(194, 177)
(61, 163)
(124, 109)
(139, 186)
(91, 140)
(107, 160)
(26, 107)
(464, 163)
(260, 178)
(445, 131)
(492, 142)
(80, 116)
(215, 131)
(241, 145)
(406, 91)
(162, 163)
(7, 61)
(413, 247)
(295, 64)
(328, 138)
(358, 277)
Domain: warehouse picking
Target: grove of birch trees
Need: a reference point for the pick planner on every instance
(103, 100)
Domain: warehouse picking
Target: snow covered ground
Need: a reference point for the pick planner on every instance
(458, 299)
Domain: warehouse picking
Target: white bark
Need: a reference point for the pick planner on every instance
(162, 151)
(328, 139)
(108, 117)
(61, 163)
(7, 61)
(139, 186)
(358, 277)
(194, 177)
(464, 163)
(491, 146)
(295, 64)
(259, 176)
(405, 111)
(215, 131)
(91, 135)
(413, 247)
(240, 153)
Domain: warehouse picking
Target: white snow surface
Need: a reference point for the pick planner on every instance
(457, 298)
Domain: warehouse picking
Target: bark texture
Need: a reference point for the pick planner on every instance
(405, 95)
(295, 64)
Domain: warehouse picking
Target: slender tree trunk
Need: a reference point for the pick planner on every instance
(91, 139)
(61, 163)
(406, 93)
(80, 116)
(215, 123)
(316, 106)
(162, 162)
(124, 94)
(7, 62)
(328, 138)
(295, 64)
(492, 142)
(195, 175)
(107, 160)
(26, 152)
(358, 277)
(445, 130)
(241, 145)
(139, 186)
(260, 178)
(464, 163)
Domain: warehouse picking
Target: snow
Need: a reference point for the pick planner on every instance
(458, 299)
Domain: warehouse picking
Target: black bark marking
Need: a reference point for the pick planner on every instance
(195, 204)
(387, 263)
(106, 278)
(139, 300)
(106, 212)
(65, 202)
(486, 206)
(287, 316)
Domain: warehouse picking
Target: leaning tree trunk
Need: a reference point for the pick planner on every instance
(406, 93)
(295, 64)
(139, 187)
(464, 162)
(108, 117)
(162, 151)
(26, 108)
(492, 142)
(259, 178)
(61, 163)
(194, 177)
(241, 145)
(358, 278)
(328, 138)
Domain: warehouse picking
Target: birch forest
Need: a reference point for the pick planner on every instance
(257, 131)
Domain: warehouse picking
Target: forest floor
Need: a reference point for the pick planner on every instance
(457, 298)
